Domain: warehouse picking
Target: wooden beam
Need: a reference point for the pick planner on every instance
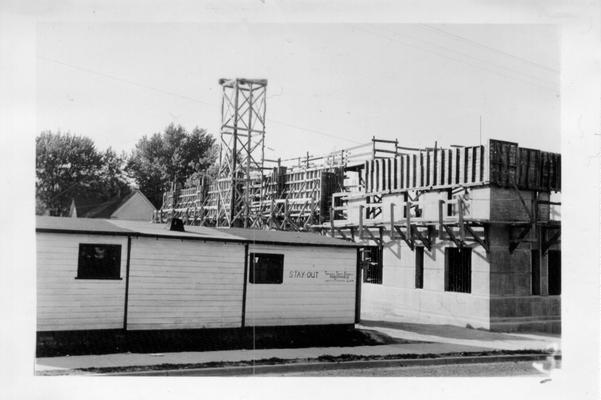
(481, 242)
(407, 240)
(452, 236)
(425, 240)
(548, 243)
(513, 243)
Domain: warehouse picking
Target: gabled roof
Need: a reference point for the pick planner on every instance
(95, 208)
(146, 229)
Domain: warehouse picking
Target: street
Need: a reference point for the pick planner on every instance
(521, 368)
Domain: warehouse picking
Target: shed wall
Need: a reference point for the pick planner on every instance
(66, 303)
(309, 294)
(185, 284)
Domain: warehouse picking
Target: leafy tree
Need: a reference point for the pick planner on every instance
(171, 156)
(69, 166)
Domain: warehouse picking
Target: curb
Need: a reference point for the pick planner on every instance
(323, 366)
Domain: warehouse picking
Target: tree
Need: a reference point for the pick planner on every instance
(171, 156)
(69, 166)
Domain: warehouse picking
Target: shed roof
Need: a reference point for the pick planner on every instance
(287, 237)
(141, 228)
(92, 225)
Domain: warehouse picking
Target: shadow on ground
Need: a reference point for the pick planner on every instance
(449, 331)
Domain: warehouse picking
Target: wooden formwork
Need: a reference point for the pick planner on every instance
(502, 164)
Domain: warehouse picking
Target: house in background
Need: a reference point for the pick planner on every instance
(133, 206)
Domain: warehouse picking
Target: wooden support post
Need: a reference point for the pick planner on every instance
(408, 214)
(373, 148)
(332, 221)
(460, 215)
(285, 221)
(440, 219)
(392, 221)
(361, 207)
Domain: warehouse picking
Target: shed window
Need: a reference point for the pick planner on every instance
(554, 266)
(419, 267)
(371, 260)
(99, 261)
(266, 268)
(458, 269)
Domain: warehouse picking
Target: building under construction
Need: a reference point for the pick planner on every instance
(464, 235)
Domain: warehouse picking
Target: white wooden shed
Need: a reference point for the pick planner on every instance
(95, 274)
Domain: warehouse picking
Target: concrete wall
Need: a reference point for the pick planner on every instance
(501, 297)
(512, 305)
(397, 299)
(318, 288)
(185, 284)
(66, 303)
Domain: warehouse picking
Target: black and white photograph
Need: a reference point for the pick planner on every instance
(262, 190)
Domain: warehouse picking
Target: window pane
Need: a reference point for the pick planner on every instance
(99, 261)
(266, 268)
(458, 269)
(419, 267)
(371, 259)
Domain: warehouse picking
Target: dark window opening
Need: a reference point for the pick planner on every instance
(458, 269)
(371, 263)
(535, 261)
(419, 267)
(449, 204)
(266, 268)
(99, 261)
(554, 272)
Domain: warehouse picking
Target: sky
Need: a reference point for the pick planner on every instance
(330, 86)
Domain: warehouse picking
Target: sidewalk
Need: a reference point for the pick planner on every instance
(427, 339)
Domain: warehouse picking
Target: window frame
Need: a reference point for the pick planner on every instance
(252, 273)
(458, 278)
(83, 271)
(376, 277)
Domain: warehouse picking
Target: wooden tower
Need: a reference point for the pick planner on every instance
(242, 150)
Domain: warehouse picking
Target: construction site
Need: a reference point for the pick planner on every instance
(465, 235)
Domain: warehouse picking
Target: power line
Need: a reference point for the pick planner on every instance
(461, 60)
(123, 80)
(170, 93)
(489, 47)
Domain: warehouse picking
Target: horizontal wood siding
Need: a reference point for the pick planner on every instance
(177, 284)
(305, 299)
(66, 303)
